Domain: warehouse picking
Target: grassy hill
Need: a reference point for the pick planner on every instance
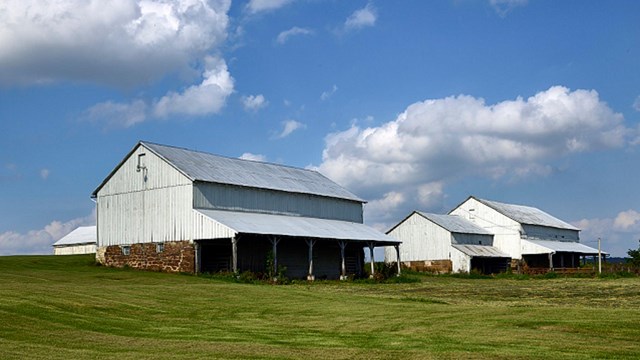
(67, 308)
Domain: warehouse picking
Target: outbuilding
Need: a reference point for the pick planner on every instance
(443, 243)
(82, 240)
(174, 209)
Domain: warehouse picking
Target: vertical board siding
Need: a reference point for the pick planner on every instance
(549, 233)
(237, 198)
(461, 262)
(472, 239)
(75, 249)
(421, 240)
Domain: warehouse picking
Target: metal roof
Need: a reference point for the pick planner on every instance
(455, 224)
(562, 246)
(528, 215)
(202, 166)
(268, 224)
(81, 235)
(481, 250)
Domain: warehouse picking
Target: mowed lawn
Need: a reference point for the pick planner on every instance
(66, 308)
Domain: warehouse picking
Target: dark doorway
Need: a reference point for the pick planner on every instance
(489, 265)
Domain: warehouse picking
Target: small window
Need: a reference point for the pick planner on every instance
(159, 247)
(480, 242)
(126, 250)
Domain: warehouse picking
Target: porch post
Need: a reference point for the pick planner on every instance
(551, 261)
(310, 243)
(234, 254)
(196, 247)
(274, 242)
(371, 255)
(343, 267)
(397, 246)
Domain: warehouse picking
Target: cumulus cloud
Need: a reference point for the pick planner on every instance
(288, 127)
(258, 6)
(618, 234)
(205, 98)
(254, 102)
(284, 36)
(253, 157)
(434, 142)
(503, 7)
(124, 43)
(44, 174)
(361, 18)
(327, 94)
(636, 104)
(40, 241)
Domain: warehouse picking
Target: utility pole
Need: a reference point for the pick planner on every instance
(599, 258)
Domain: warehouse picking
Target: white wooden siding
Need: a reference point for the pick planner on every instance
(549, 233)
(421, 240)
(460, 262)
(506, 231)
(75, 249)
(230, 197)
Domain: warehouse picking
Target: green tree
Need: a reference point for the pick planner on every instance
(634, 256)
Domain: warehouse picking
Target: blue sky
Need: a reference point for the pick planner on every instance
(410, 105)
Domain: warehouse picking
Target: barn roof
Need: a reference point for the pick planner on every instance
(480, 250)
(206, 167)
(549, 246)
(455, 224)
(81, 235)
(527, 215)
(298, 226)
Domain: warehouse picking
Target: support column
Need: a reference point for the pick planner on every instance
(198, 262)
(551, 261)
(274, 242)
(343, 267)
(234, 254)
(371, 256)
(310, 243)
(397, 246)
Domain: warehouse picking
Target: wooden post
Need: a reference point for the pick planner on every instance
(310, 243)
(551, 261)
(343, 267)
(196, 247)
(397, 246)
(371, 255)
(234, 254)
(274, 242)
(599, 258)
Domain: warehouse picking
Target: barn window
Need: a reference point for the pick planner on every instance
(126, 250)
(480, 242)
(159, 247)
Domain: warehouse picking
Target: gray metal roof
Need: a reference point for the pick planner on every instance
(564, 246)
(201, 166)
(268, 224)
(481, 250)
(455, 224)
(528, 215)
(81, 235)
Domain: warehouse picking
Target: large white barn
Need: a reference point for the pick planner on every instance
(174, 209)
(429, 240)
(527, 233)
(82, 240)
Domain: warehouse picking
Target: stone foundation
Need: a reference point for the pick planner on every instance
(430, 266)
(177, 256)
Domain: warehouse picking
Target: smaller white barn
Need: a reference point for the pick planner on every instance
(80, 241)
(433, 239)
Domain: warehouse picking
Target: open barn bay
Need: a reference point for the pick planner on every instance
(65, 307)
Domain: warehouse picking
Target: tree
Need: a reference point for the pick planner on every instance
(634, 256)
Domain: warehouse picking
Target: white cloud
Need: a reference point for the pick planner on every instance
(361, 18)
(288, 127)
(127, 42)
(503, 7)
(257, 6)
(40, 241)
(627, 221)
(253, 157)
(254, 102)
(44, 174)
(206, 98)
(618, 234)
(327, 94)
(435, 142)
(284, 36)
(636, 103)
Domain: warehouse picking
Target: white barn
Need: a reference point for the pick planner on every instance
(173, 209)
(80, 241)
(431, 239)
(527, 233)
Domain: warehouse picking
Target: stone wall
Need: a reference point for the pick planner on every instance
(430, 266)
(176, 256)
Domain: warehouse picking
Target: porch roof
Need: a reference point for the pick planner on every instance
(481, 251)
(297, 226)
(531, 247)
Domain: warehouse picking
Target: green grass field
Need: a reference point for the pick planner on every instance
(67, 308)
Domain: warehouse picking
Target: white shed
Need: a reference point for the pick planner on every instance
(429, 238)
(173, 209)
(527, 233)
(80, 241)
